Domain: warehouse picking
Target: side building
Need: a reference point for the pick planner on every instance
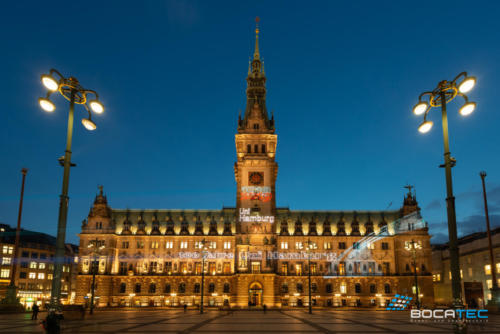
(254, 253)
(475, 268)
(35, 266)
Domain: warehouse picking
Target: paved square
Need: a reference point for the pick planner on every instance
(285, 321)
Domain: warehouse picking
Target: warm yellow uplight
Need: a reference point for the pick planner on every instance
(96, 106)
(467, 108)
(420, 108)
(467, 85)
(49, 82)
(425, 127)
(88, 124)
(46, 104)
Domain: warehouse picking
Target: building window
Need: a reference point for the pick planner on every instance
(263, 147)
(152, 288)
(327, 245)
(24, 264)
(6, 260)
(33, 265)
(22, 274)
(342, 245)
(211, 245)
(167, 289)
(256, 126)
(284, 288)
(298, 269)
(125, 244)
(284, 245)
(227, 288)
(42, 265)
(343, 287)
(154, 244)
(140, 244)
(50, 276)
(255, 267)
(169, 244)
(357, 288)
(387, 288)
(41, 276)
(182, 288)
(256, 148)
(123, 287)
(284, 268)
(249, 148)
(329, 288)
(211, 288)
(196, 288)
(313, 268)
(227, 244)
(8, 249)
(498, 267)
(385, 246)
(137, 288)
(373, 288)
(298, 245)
(487, 269)
(25, 254)
(300, 288)
(32, 275)
(355, 245)
(184, 244)
(470, 272)
(342, 268)
(34, 255)
(5, 273)
(314, 287)
(407, 267)
(489, 283)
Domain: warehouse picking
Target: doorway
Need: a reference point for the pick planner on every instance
(255, 294)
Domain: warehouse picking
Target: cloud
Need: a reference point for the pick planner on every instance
(433, 205)
(471, 224)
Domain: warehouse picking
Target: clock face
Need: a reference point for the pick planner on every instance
(256, 178)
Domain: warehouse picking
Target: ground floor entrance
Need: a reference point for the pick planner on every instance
(255, 294)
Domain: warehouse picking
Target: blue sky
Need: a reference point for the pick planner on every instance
(342, 79)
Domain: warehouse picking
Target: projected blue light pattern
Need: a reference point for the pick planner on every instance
(399, 303)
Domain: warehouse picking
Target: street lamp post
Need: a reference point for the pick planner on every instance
(71, 90)
(96, 249)
(203, 254)
(439, 97)
(412, 247)
(309, 272)
(495, 291)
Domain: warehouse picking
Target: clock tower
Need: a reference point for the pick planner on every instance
(255, 169)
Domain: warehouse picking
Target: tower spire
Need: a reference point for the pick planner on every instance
(256, 54)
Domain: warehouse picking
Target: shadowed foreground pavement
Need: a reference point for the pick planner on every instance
(176, 321)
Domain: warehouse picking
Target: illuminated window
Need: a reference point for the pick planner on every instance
(342, 268)
(50, 276)
(33, 265)
(327, 245)
(487, 269)
(449, 274)
(8, 249)
(256, 267)
(343, 287)
(313, 245)
(227, 244)
(41, 265)
(140, 244)
(498, 267)
(298, 268)
(5, 273)
(184, 244)
(313, 268)
(169, 244)
(489, 283)
(438, 277)
(6, 260)
(212, 244)
(32, 275)
(284, 245)
(414, 289)
(461, 273)
(41, 276)
(227, 268)
(298, 245)
(154, 244)
(284, 268)
(370, 245)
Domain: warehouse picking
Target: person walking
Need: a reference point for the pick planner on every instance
(264, 308)
(185, 308)
(35, 310)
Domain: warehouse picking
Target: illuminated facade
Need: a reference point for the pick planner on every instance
(256, 253)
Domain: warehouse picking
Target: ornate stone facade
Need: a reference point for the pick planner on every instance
(255, 253)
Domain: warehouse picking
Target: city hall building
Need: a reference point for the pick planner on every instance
(253, 253)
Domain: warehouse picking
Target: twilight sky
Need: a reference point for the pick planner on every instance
(342, 80)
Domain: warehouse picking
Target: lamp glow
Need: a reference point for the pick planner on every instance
(96, 106)
(46, 104)
(425, 127)
(467, 108)
(420, 108)
(49, 82)
(88, 124)
(467, 85)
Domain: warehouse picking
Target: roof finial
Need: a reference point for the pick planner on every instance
(256, 54)
(100, 189)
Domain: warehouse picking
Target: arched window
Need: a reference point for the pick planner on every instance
(387, 288)
(197, 288)
(263, 148)
(300, 288)
(152, 288)
(211, 288)
(182, 288)
(329, 288)
(226, 288)
(137, 288)
(167, 289)
(314, 287)
(343, 287)
(123, 288)
(256, 148)
(249, 148)
(357, 287)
